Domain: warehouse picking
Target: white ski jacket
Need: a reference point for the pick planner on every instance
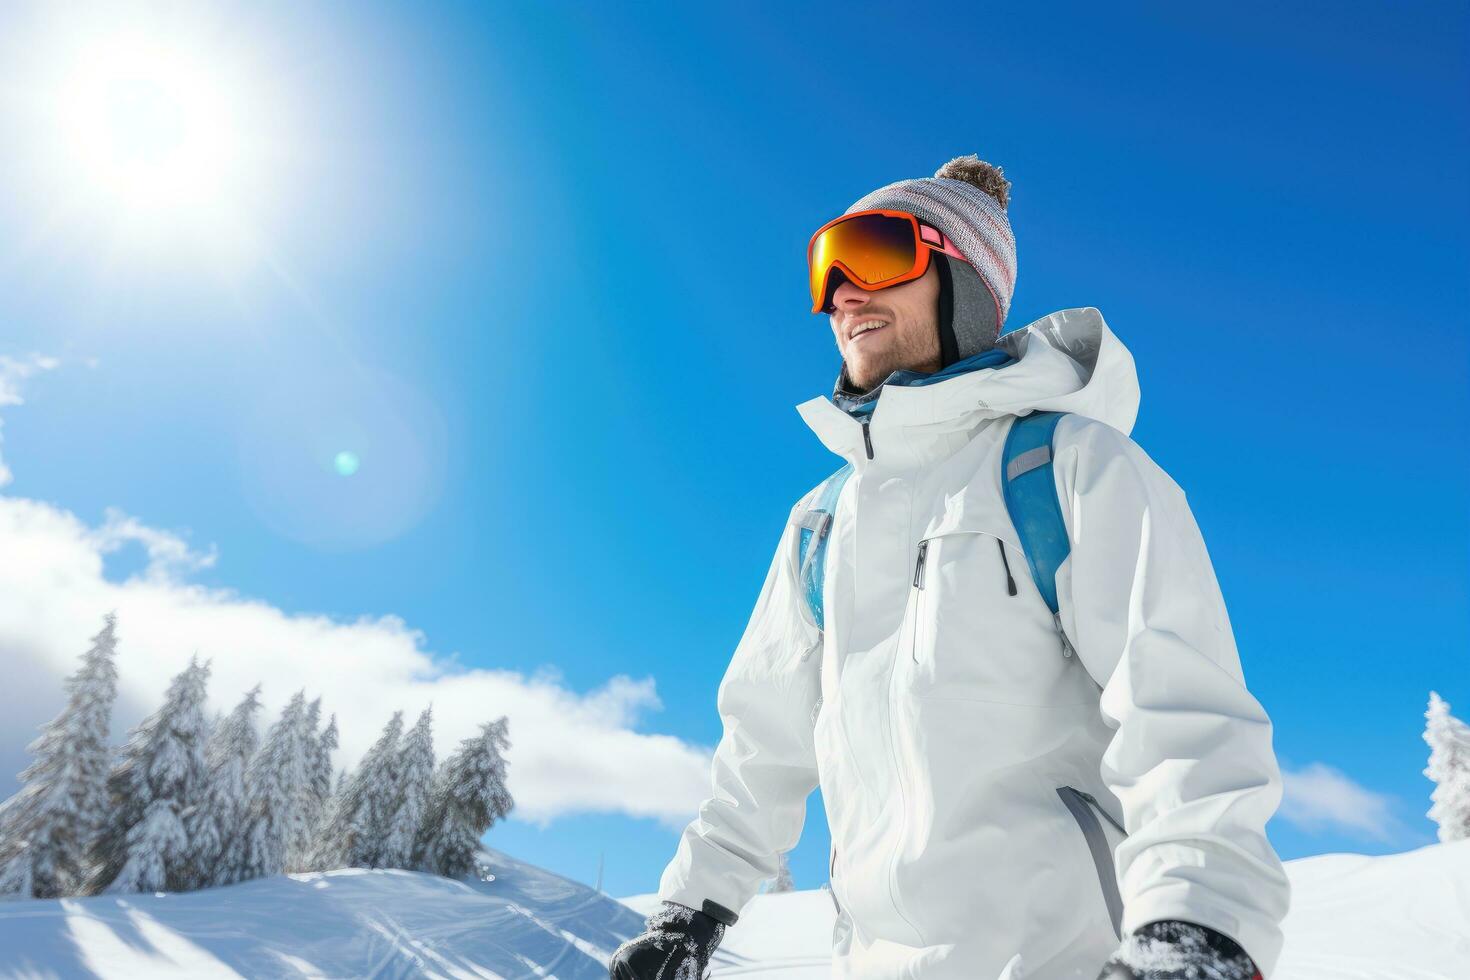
(975, 770)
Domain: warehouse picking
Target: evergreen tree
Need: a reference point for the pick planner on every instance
(160, 778)
(49, 828)
(357, 830)
(1449, 767)
(274, 784)
(299, 841)
(416, 776)
(215, 828)
(469, 796)
(321, 779)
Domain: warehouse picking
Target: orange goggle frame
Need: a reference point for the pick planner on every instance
(874, 249)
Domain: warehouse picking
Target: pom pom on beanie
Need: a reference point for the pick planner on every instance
(973, 170)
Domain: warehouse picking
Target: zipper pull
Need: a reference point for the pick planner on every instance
(867, 436)
(1102, 810)
(919, 565)
(1067, 650)
(1010, 582)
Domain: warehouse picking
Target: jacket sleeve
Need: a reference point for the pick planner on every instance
(764, 766)
(1190, 758)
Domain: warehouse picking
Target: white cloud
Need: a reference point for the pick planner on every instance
(1318, 797)
(12, 372)
(571, 752)
(169, 555)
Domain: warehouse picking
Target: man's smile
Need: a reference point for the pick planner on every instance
(867, 326)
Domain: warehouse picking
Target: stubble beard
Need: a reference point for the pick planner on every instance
(873, 369)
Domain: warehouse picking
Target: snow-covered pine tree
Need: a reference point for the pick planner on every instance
(159, 778)
(1449, 767)
(469, 796)
(273, 786)
(321, 779)
(327, 853)
(415, 779)
(355, 833)
(215, 827)
(48, 828)
(782, 882)
(299, 843)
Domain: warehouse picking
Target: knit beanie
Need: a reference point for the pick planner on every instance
(966, 199)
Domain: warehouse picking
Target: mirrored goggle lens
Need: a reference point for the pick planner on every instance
(876, 247)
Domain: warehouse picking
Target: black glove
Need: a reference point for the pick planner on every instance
(677, 946)
(1172, 950)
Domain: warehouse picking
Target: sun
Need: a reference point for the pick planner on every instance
(146, 136)
(150, 129)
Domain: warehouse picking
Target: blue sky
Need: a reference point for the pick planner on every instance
(540, 268)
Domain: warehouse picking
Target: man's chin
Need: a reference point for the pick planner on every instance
(865, 381)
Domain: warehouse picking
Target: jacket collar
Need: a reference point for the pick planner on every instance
(1066, 361)
(863, 404)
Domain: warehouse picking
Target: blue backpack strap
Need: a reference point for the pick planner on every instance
(1031, 501)
(816, 524)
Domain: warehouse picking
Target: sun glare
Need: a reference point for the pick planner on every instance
(149, 134)
(149, 129)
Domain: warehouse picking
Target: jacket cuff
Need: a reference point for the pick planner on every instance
(1259, 936)
(718, 912)
(717, 891)
(708, 906)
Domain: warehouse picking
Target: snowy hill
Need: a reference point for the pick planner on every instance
(1398, 917)
(350, 923)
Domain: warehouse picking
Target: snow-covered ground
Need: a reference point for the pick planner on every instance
(527, 922)
(1399, 917)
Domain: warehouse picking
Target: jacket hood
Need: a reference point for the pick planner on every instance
(1067, 361)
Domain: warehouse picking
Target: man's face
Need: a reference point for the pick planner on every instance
(907, 334)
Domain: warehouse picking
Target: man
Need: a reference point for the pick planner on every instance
(1011, 792)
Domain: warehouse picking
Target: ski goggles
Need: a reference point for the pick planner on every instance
(875, 249)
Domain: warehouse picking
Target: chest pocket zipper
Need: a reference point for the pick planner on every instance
(918, 599)
(920, 564)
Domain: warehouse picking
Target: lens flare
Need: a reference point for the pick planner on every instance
(295, 472)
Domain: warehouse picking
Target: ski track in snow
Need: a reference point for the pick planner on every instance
(1397, 917)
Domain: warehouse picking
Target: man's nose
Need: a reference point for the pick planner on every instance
(849, 294)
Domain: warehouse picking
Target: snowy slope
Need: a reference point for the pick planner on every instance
(1399, 917)
(1380, 918)
(352, 923)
